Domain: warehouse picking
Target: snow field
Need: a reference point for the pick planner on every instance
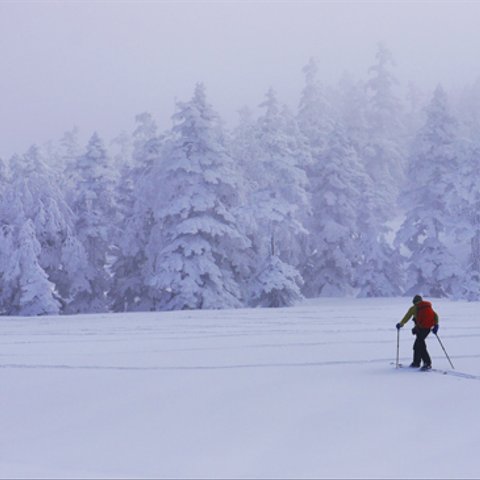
(304, 392)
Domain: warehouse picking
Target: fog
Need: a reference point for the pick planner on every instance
(97, 64)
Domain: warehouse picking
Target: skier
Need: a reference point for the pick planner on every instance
(425, 318)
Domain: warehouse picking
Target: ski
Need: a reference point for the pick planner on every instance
(440, 371)
(418, 369)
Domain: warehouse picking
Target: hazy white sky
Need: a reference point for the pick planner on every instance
(96, 64)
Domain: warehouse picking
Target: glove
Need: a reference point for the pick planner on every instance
(398, 326)
(414, 330)
(435, 329)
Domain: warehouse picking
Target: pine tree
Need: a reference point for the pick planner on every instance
(382, 153)
(352, 107)
(3, 177)
(316, 122)
(430, 197)
(66, 153)
(38, 194)
(466, 227)
(25, 287)
(277, 284)
(93, 205)
(195, 245)
(35, 293)
(279, 200)
(379, 272)
(340, 191)
(136, 194)
(315, 112)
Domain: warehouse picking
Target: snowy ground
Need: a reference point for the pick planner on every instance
(301, 392)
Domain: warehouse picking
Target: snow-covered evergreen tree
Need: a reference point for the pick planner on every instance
(9, 268)
(136, 195)
(25, 287)
(341, 189)
(382, 153)
(316, 123)
(467, 109)
(352, 110)
(11, 215)
(93, 205)
(122, 150)
(466, 225)
(39, 197)
(380, 269)
(280, 199)
(3, 176)
(195, 246)
(315, 112)
(415, 103)
(430, 198)
(277, 284)
(64, 158)
(35, 294)
(245, 150)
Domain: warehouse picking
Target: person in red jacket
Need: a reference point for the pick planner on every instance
(426, 320)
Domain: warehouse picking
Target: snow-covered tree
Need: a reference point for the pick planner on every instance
(415, 103)
(9, 268)
(64, 157)
(279, 199)
(3, 176)
(195, 246)
(93, 205)
(467, 109)
(38, 196)
(336, 231)
(35, 294)
(382, 152)
(11, 215)
(431, 198)
(466, 225)
(277, 284)
(315, 112)
(352, 110)
(136, 195)
(245, 150)
(25, 287)
(122, 150)
(379, 272)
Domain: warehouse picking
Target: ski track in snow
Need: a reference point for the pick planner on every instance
(236, 366)
(455, 373)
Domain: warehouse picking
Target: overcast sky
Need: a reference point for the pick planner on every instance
(96, 64)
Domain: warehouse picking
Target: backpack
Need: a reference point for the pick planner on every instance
(425, 316)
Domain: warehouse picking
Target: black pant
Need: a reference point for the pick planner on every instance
(420, 347)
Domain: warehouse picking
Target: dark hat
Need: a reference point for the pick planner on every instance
(416, 299)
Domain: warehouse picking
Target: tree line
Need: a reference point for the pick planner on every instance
(357, 192)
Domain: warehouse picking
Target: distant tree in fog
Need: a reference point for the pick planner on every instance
(340, 189)
(136, 195)
(279, 201)
(466, 226)
(430, 198)
(94, 208)
(382, 152)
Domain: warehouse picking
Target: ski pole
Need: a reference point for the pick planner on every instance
(443, 348)
(398, 348)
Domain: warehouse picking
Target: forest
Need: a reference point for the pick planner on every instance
(359, 191)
